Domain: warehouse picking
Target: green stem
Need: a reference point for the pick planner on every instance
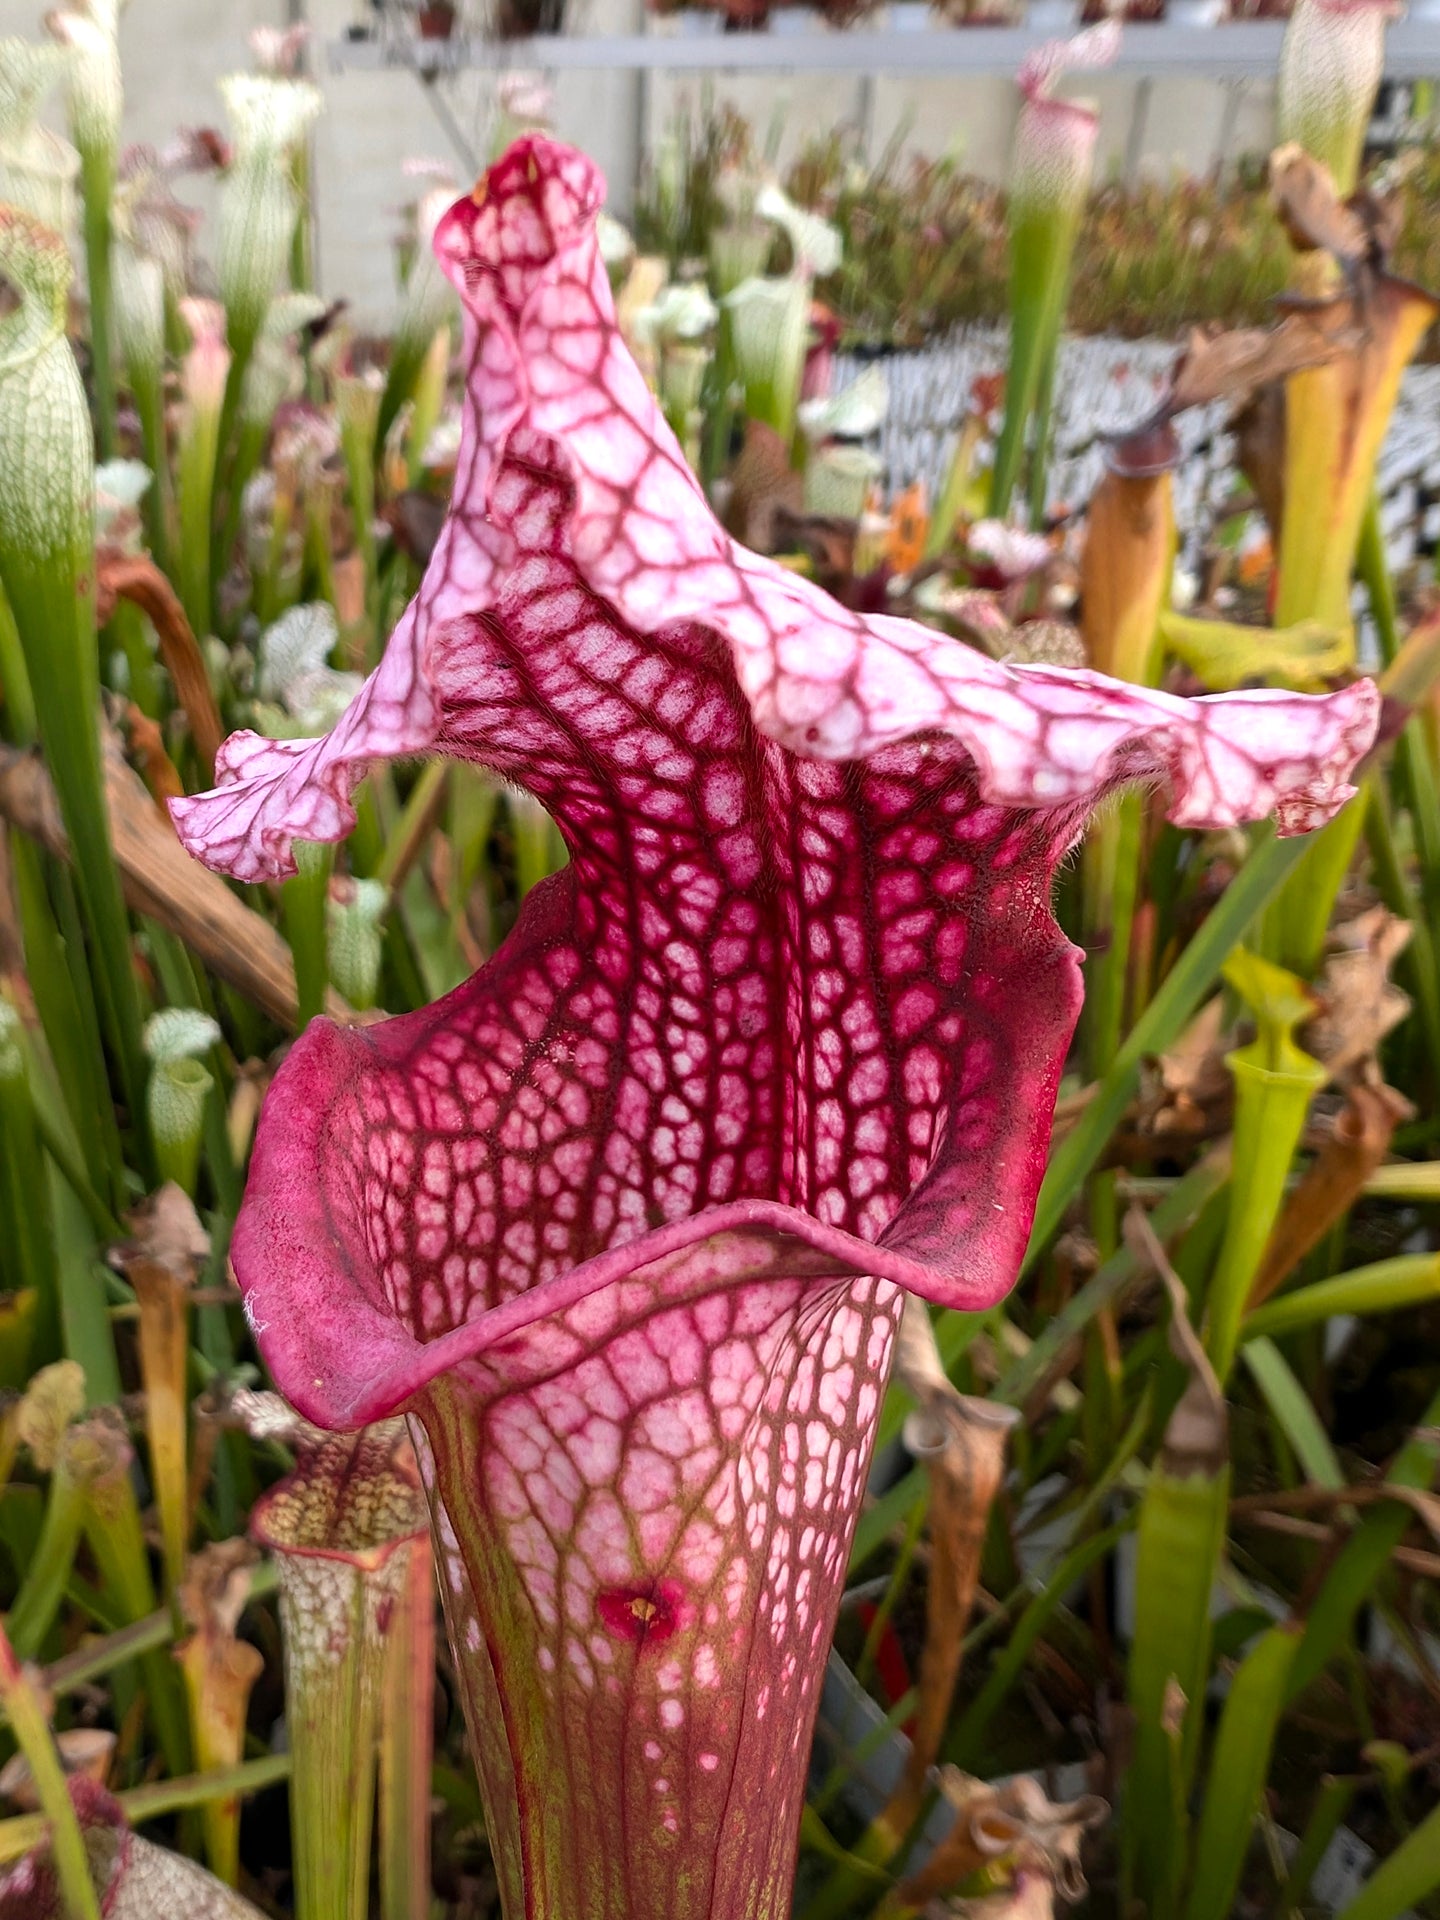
(539, 851)
(317, 542)
(302, 248)
(1332, 1803)
(84, 1319)
(27, 1237)
(1296, 922)
(1410, 1279)
(1270, 1110)
(357, 442)
(32, 1731)
(43, 1588)
(302, 903)
(1238, 1767)
(244, 463)
(1414, 750)
(65, 1004)
(118, 1545)
(332, 1747)
(128, 628)
(407, 1744)
(54, 609)
(1112, 862)
(147, 386)
(428, 401)
(1042, 240)
(1364, 1558)
(196, 1789)
(966, 1747)
(17, 703)
(1175, 1214)
(1039, 476)
(1404, 1878)
(1185, 986)
(178, 1095)
(97, 179)
(199, 446)
(97, 1658)
(1180, 1544)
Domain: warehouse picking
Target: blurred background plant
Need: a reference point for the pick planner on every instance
(1155, 1629)
(925, 242)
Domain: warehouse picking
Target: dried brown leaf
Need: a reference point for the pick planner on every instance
(157, 769)
(1259, 429)
(162, 882)
(166, 1233)
(962, 1442)
(348, 573)
(82, 1750)
(1310, 209)
(216, 1586)
(136, 578)
(763, 484)
(1010, 1825)
(1424, 1504)
(1359, 1140)
(1186, 1093)
(1229, 364)
(415, 518)
(1358, 1002)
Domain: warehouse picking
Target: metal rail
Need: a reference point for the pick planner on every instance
(1234, 50)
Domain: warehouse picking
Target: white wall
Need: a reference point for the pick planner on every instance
(175, 50)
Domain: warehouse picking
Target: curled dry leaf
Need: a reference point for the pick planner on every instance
(217, 1586)
(1186, 1093)
(166, 1233)
(1230, 363)
(1009, 1824)
(1259, 429)
(82, 1750)
(1314, 216)
(1359, 1003)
